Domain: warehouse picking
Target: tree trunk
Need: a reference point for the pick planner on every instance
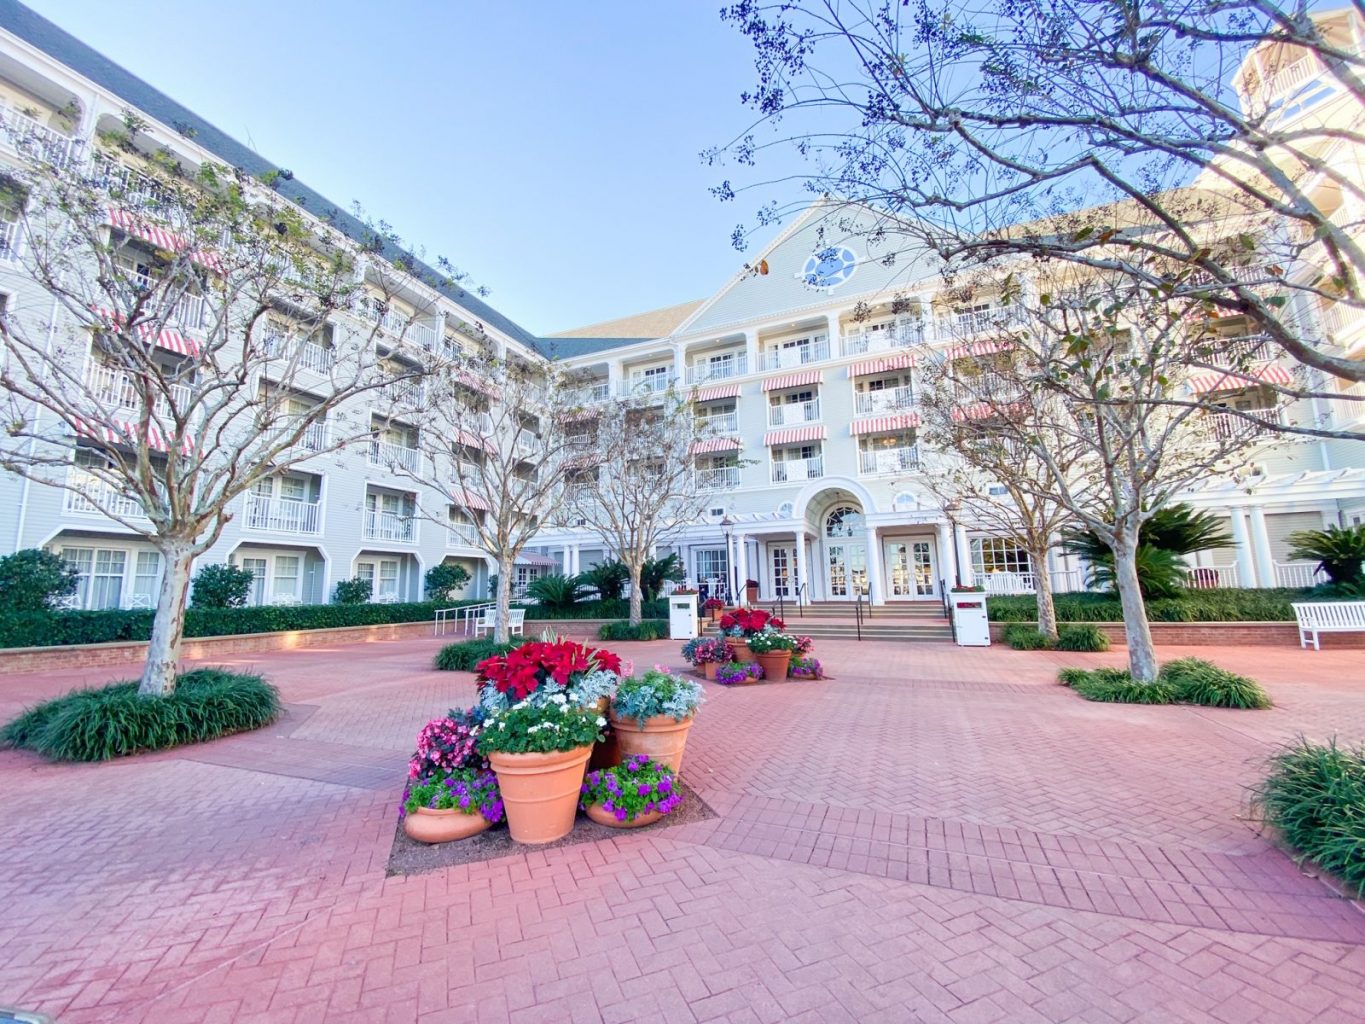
(636, 598)
(1047, 611)
(502, 611)
(168, 627)
(1137, 631)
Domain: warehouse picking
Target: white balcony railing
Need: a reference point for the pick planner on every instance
(101, 497)
(1209, 577)
(785, 356)
(30, 136)
(116, 388)
(10, 232)
(789, 414)
(1233, 352)
(315, 437)
(973, 322)
(719, 423)
(388, 526)
(1281, 80)
(884, 401)
(1298, 574)
(191, 310)
(891, 338)
(461, 535)
(1005, 582)
(408, 391)
(591, 394)
(386, 453)
(718, 478)
(283, 515)
(1341, 318)
(644, 387)
(790, 470)
(1225, 426)
(719, 369)
(887, 461)
(410, 329)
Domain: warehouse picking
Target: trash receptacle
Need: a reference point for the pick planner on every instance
(971, 627)
(682, 616)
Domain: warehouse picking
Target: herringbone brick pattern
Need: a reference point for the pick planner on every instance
(938, 835)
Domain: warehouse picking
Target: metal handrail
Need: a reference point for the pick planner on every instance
(801, 588)
(858, 612)
(947, 606)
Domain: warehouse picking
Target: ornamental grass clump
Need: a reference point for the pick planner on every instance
(465, 655)
(585, 674)
(1314, 796)
(735, 673)
(657, 692)
(637, 787)
(468, 790)
(1116, 686)
(541, 724)
(1200, 682)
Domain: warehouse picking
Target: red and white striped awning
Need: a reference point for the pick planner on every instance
(161, 237)
(1269, 374)
(794, 435)
(468, 499)
(472, 440)
(126, 432)
(793, 380)
(884, 424)
(168, 337)
(716, 444)
(532, 558)
(716, 392)
(982, 347)
(477, 382)
(896, 361)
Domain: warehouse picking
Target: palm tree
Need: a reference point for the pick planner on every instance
(1338, 550)
(1170, 534)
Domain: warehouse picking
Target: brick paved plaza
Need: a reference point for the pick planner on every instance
(936, 835)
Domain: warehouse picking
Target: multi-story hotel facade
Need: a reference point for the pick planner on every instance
(806, 367)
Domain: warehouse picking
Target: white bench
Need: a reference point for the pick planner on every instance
(516, 621)
(1316, 617)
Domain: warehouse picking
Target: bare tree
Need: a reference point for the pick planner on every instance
(1064, 403)
(1210, 149)
(193, 333)
(638, 484)
(499, 443)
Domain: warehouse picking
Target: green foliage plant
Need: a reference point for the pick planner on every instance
(1084, 638)
(657, 692)
(1338, 550)
(443, 580)
(540, 725)
(221, 586)
(464, 655)
(608, 578)
(35, 580)
(1200, 682)
(356, 590)
(557, 591)
(649, 629)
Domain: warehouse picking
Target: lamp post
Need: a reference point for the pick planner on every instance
(728, 525)
(952, 509)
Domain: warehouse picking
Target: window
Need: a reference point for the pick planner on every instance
(998, 554)
(99, 575)
(388, 578)
(806, 451)
(256, 566)
(844, 521)
(711, 564)
(146, 579)
(293, 488)
(525, 574)
(9, 231)
(797, 397)
(286, 576)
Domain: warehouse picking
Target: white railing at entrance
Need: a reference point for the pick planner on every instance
(1298, 574)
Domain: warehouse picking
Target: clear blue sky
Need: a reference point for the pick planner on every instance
(548, 148)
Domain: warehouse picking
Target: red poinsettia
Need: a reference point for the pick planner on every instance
(522, 671)
(750, 621)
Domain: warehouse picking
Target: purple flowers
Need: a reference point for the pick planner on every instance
(637, 787)
(467, 790)
(738, 672)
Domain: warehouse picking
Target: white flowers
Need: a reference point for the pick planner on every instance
(601, 721)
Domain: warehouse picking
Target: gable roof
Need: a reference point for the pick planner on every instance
(655, 323)
(59, 44)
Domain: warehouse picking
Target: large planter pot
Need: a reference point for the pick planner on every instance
(428, 826)
(708, 670)
(597, 814)
(774, 664)
(660, 739)
(751, 595)
(741, 648)
(540, 791)
(714, 613)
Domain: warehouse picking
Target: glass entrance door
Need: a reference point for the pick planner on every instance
(847, 570)
(912, 568)
(784, 571)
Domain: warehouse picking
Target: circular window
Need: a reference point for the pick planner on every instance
(785, 510)
(830, 267)
(844, 521)
(906, 502)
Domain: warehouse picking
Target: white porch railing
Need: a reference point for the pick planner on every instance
(965, 325)
(1226, 425)
(886, 400)
(789, 470)
(102, 497)
(388, 526)
(1208, 577)
(719, 478)
(783, 357)
(591, 394)
(386, 453)
(312, 356)
(719, 423)
(888, 461)
(1298, 574)
(862, 341)
(116, 388)
(787, 414)
(721, 369)
(1007, 582)
(30, 136)
(644, 387)
(461, 535)
(282, 515)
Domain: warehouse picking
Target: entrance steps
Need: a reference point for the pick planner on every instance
(912, 622)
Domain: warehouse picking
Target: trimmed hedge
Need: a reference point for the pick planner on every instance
(595, 610)
(1228, 605)
(1070, 637)
(63, 628)
(648, 629)
(105, 722)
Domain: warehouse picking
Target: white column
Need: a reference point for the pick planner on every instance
(802, 563)
(1260, 543)
(1246, 572)
(832, 332)
(964, 555)
(751, 350)
(614, 377)
(741, 565)
(875, 592)
(679, 365)
(943, 561)
(685, 553)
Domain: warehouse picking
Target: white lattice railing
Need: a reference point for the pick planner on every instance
(1298, 574)
(282, 515)
(1208, 577)
(719, 478)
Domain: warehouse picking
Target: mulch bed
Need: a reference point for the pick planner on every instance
(412, 858)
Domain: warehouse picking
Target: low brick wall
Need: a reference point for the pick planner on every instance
(206, 648)
(1219, 634)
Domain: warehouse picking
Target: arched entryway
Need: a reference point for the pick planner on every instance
(843, 545)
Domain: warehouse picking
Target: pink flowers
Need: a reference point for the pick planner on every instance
(444, 745)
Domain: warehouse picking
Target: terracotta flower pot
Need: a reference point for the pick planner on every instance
(540, 791)
(597, 814)
(661, 739)
(715, 614)
(708, 670)
(741, 648)
(428, 826)
(775, 664)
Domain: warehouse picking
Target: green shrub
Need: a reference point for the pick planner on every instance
(1084, 637)
(221, 586)
(1221, 605)
(648, 629)
(33, 580)
(1024, 636)
(113, 721)
(1314, 796)
(597, 610)
(608, 578)
(1338, 550)
(1199, 682)
(464, 655)
(1115, 686)
(356, 590)
(556, 591)
(443, 580)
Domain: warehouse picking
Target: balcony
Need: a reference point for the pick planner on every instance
(388, 526)
(10, 232)
(311, 355)
(787, 356)
(645, 387)
(720, 369)
(1227, 426)
(790, 414)
(38, 140)
(408, 392)
(283, 515)
(869, 403)
(719, 423)
(398, 326)
(590, 395)
(888, 461)
(131, 189)
(795, 470)
(979, 321)
(386, 453)
(892, 338)
(315, 437)
(719, 478)
(115, 388)
(461, 535)
(102, 497)
(1235, 352)
(1340, 319)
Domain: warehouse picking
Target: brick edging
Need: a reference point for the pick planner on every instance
(1216, 634)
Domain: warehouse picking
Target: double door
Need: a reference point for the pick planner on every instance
(911, 569)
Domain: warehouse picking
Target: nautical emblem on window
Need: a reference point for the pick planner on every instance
(828, 268)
